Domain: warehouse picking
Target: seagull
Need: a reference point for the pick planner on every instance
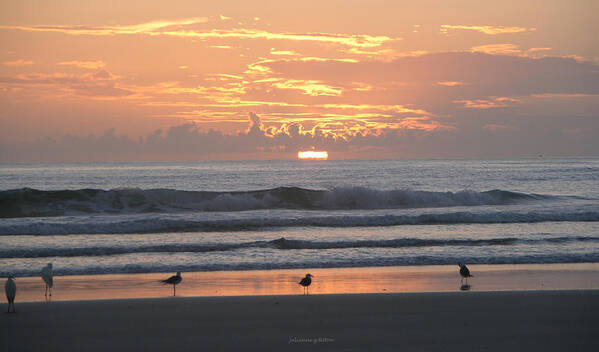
(11, 291)
(174, 280)
(48, 278)
(306, 282)
(464, 272)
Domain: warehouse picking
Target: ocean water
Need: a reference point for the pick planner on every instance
(242, 215)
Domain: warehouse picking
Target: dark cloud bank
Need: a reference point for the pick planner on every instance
(190, 142)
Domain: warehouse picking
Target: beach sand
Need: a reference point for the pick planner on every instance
(456, 321)
(420, 308)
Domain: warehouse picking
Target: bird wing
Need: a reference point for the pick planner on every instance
(170, 280)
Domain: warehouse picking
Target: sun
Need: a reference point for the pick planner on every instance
(312, 155)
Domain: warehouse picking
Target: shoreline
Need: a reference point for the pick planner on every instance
(361, 280)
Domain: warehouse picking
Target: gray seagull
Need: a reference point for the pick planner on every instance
(464, 273)
(173, 280)
(306, 282)
(11, 291)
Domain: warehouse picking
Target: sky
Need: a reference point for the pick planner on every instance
(206, 80)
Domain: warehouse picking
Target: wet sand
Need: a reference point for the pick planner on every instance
(438, 278)
(450, 321)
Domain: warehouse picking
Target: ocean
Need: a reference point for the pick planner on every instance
(96, 218)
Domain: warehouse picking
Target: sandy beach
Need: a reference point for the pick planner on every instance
(460, 321)
(510, 307)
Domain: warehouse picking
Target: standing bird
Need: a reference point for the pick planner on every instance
(11, 291)
(174, 280)
(464, 273)
(48, 278)
(306, 282)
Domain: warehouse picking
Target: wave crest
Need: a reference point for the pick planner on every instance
(281, 244)
(27, 202)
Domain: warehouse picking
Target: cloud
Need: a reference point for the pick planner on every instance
(97, 84)
(190, 142)
(498, 128)
(490, 30)
(493, 102)
(355, 40)
(19, 62)
(91, 65)
(150, 28)
(487, 75)
(497, 49)
(283, 52)
(310, 87)
(179, 28)
(450, 83)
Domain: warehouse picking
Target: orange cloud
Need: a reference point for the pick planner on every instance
(450, 83)
(166, 28)
(19, 62)
(283, 52)
(494, 49)
(310, 87)
(151, 28)
(493, 102)
(539, 49)
(490, 30)
(356, 40)
(393, 108)
(92, 65)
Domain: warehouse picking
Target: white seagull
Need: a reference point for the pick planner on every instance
(306, 282)
(48, 278)
(173, 280)
(11, 291)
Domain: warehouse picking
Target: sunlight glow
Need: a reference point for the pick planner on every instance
(312, 155)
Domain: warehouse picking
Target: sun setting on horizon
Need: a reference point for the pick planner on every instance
(313, 155)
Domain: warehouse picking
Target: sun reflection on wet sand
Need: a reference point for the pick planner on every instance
(326, 281)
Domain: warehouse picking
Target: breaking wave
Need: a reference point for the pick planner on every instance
(279, 244)
(168, 223)
(27, 202)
